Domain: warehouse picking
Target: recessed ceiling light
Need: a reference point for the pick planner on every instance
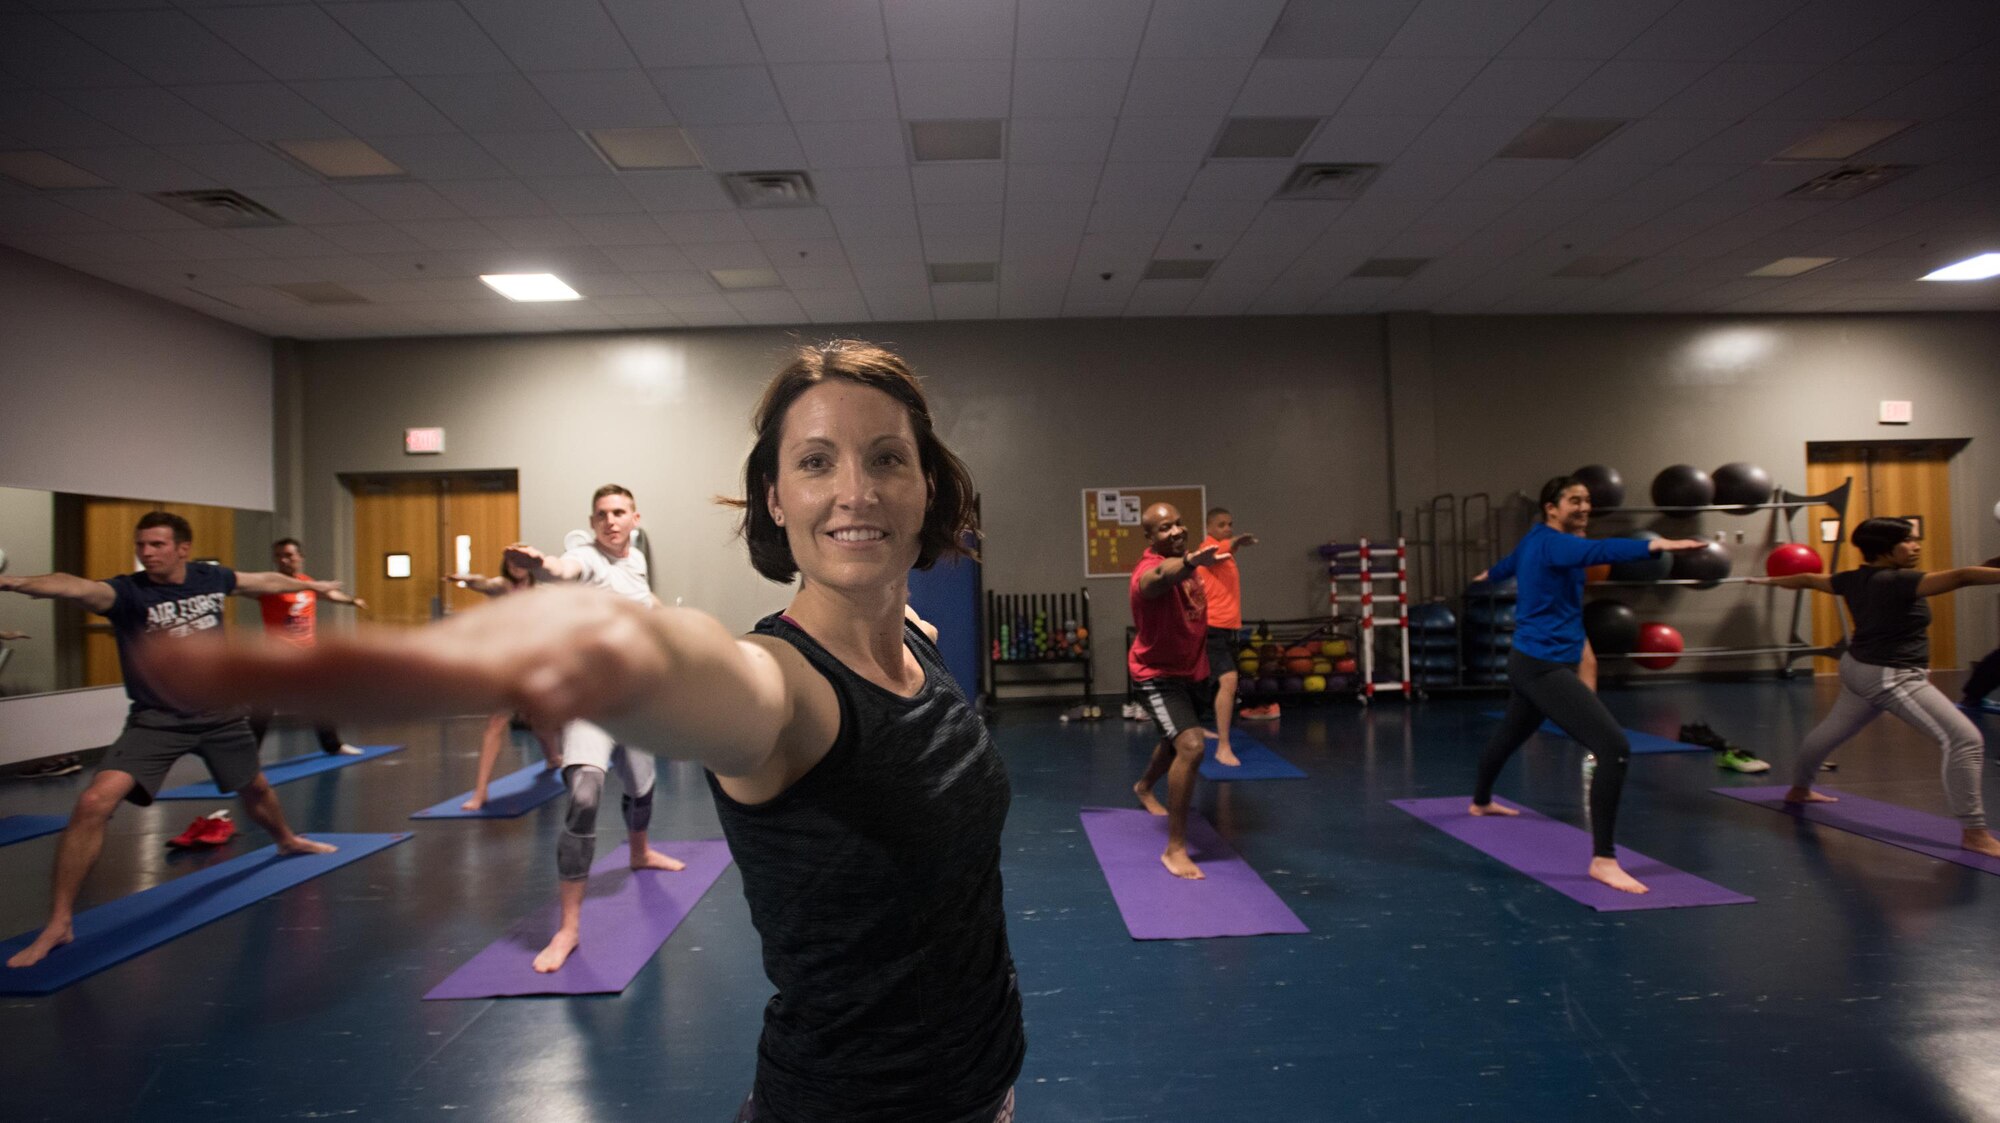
(1178, 268)
(530, 286)
(342, 158)
(1842, 139)
(41, 170)
(1971, 269)
(1263, 138)
(747, 278)
(321, 292)
(1560, 138)
(958, 140)
(1791, 266)
(961, 272)
(630, 149)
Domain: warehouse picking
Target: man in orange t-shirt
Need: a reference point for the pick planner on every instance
(1223, 587)
(293, 617)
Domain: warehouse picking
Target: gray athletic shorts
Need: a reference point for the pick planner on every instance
(154, 739)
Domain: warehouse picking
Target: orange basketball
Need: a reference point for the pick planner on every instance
(1597, 573)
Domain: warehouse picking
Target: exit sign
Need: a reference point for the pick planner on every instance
(423, 442)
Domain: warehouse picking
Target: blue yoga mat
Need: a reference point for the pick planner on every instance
(1259, 762)
(285, 771)
(115, 932)
(1642, 741)
(21, 828)
(516, 793)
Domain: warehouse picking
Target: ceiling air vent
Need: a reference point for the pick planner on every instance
(223, 209)
(321, 292)
(1847, 182)
(770, 189)
(1328, 181)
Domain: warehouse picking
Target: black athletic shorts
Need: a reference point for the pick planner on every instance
(1221, 652)
(1174, 704)
(154, 739)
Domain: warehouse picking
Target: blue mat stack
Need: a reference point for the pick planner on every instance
(1489, 631)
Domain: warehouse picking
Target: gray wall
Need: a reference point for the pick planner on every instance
(1282, 419)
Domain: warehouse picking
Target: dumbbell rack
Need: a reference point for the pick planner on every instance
(1364, 579)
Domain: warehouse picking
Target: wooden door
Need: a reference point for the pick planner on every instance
(482, 517)
(108, 527)
(1892, 479)
(420, 521)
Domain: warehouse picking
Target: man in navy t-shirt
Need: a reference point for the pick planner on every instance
(168, 598)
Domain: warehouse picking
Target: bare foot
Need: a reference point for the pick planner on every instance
(1608, 871)
(1483, 809)
(557, 953)
(52, 937)
(300, 844)
(654, 860)
(1147, 801)
(473, 804)
(1980, 842)
(1807, 795)
(1226, 756)
(1180, 865)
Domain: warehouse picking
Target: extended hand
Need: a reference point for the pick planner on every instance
(1207, 555)
(1243, 540)
(1677, 545)
(9, 637)
(360, 605)
(528, 558)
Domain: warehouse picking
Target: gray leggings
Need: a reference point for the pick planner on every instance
(1868, 691)
(576, 848)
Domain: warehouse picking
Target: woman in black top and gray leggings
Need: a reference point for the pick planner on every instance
(862, 797)
(1886, 668)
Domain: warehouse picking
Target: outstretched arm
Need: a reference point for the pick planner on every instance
(96, 596)
(1157, 580)
(1945, 580)
(478, 583)
(338, 597)
(265, 584)
(544, 567)
(1817, 582)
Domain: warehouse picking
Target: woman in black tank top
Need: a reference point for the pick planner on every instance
(862, 797)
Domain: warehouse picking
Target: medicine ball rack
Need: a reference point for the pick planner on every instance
(1036, 630)
(1287, 634)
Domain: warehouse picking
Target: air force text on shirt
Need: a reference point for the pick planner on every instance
(184, 617)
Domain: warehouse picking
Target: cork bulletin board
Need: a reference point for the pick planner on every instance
(1112, 540)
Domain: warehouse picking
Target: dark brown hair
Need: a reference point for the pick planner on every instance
(611, 489)
(182, 531)
(1877, 536)
(949, 517)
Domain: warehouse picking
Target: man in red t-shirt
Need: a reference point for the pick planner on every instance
(1223, 589)
(292, 617)
(1169, 664)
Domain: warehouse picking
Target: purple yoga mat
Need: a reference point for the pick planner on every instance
(1556, 855)
(1156, 905)
(627, 915)
(1932, 835)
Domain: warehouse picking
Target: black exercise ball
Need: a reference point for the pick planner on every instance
(1682, 486)
(1652, 567)
(1710, 563)
(1747, 484)
(1611, 626)
(1606, 486)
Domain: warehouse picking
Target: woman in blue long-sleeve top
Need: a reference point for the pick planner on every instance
(1549, 565)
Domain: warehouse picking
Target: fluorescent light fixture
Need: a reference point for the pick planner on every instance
(46, 172)
(530, 286)
(1560, 138)
(739, 279)
(980, 139)
(1263, 138)
(1842, 139)
(1790, 266)
(629, 149)
(1971, 269)
(342, 158)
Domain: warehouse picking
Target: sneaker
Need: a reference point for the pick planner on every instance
(1698, 733)
(1737, 760)
(53, 767)
(345, 750)
(204, 831)
(1133, 711)
(1267, 712)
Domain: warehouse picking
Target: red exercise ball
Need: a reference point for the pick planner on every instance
(1793, 557)
(1660, 638)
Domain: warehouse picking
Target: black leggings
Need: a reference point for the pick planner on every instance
(1985, 676)
(1552, 690)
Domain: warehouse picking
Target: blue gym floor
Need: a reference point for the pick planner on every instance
(1436, 983)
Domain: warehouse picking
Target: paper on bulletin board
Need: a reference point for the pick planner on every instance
(1112, 537)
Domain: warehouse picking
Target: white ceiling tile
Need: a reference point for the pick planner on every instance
(617, 295)
(1140, 180)
(959, 183)
(375, 106)
(788, 224)
(48, 216)
(777, 307)
(553, 34)
(138, 169)
(1752, 142)
(836, 91)
(1734, 90)
(1655, 140)
(129, 211)
(965, 302)
(1070, 88)
(649, 259)
(1297, 87)
(488, 103)
(883, 251)
(901, 274)
(1067, 220)
(1461, 28)
(1345, 139)
(1200, 29)
(805, 253)
(967, 219)
(618, 229)
(166, 46)
(697, 227)
(371, 237)
(1127, 216)
(1160, 140)
(1240, 179)
(863, 187)
(930, 89)
(874, 223)
(1401, 87)
(1936, 34)
(748, 148)
(851, 144)
(262, 111)
(399, 202)
(1519, 86)
(605, 99)
(556, 153)
(720, 95)
(690, 190)
(493, 198)
(1052, 183)
(1708, 29)
(38, 120)
(293, 42)
(1067, 140)
(687, 32)
(819, 30)
(691, 282)
(240, 165)
(1823, 31)
(1163, 298)
(1065, 29)
(1946, 90)
(312, 206)
(151, 113)
(727, 255)
(450, 155)
(832, 306)
(43, 53)
(1630, 88)
(200, 245)
(896, 305)
(423, 37)
(962, 247)
(1843, 90)
(295, 241)
(949, 29)
(1183, 88)
(1585, 29)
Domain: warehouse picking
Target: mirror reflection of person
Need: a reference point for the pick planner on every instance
(294, 618)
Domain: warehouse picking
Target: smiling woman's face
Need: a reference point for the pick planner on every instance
(850, 493)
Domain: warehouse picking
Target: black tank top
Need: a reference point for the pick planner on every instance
(875, 884)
